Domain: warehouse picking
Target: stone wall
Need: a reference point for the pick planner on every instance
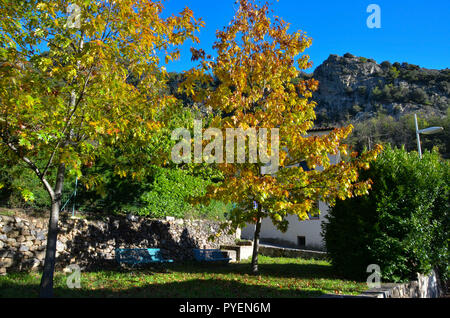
(91, 243)
(426, 286)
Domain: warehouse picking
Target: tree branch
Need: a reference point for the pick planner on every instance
(33, 167)
(63, 133)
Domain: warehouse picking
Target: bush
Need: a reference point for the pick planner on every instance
(418, 95)
(393, 73)
(362, 90)
(363, 59)
(356, 109)
(377, 93)
(400, 94)
(169, 195)
(386, 65)
(402, 225)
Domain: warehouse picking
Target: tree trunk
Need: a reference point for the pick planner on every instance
(255, 270)
(46, 287)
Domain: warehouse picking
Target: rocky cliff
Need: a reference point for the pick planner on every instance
(357, 88)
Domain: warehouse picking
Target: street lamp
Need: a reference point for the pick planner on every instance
(426, 131)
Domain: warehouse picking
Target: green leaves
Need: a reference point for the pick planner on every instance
(24, 142)
(27, 195)
(400, 224)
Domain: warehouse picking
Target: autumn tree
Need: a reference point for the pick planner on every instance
(67, 94)
(256, 64)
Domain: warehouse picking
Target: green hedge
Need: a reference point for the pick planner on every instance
(402, 225)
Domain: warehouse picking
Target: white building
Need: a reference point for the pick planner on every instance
(300, 234)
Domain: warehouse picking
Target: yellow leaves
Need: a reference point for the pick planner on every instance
(152, 125)
(41, 6)
(277, 218)
(280, 205)
(121, 173)
(90, 60)
(168, 58)
(343, 151)
(29, 101)
(72, 73)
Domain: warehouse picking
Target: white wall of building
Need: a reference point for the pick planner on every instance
(310, 229)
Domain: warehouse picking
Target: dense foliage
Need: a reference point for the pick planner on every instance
(402, 225)
(67, 97)
(159, 192)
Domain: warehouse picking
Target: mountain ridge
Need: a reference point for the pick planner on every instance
(353, 88)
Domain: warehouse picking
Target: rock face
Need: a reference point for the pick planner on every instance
(92, 244)
(357, 87)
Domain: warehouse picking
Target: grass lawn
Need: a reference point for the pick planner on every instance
(279, 277)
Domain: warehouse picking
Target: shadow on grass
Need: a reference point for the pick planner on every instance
(286, 270)
(186, 280)
(196, 288)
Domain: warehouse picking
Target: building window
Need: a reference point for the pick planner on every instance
(301, 241)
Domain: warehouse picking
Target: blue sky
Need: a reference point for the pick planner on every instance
(413, 31)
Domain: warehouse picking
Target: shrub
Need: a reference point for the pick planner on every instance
(393, 73)
(411, 75)
(418, 95)
(377, 94)
(362, 90)
(386, 93)
(356, 109)
(363, 59)
(386, 64)
(169, 195)
(400, 94)
(397, 65)
(164, 193)
(402, 225)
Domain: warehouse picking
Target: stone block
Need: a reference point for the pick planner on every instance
(6, 262)
(6, 229)
(24, 248)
